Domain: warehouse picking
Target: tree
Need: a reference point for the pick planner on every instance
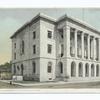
(6, 65)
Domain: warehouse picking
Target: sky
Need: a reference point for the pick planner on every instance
(11, 19)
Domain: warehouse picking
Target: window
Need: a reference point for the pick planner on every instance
(14, 55)
(49, 48)
(34, 49)
(34, 67)
(49, 67)
(22, 69)
(23, 46)
(62, 50)
(61, 67)
(15, 45)
(14, 69)
(61, 33)
(18, 68)
(34, 34)
(50, 34)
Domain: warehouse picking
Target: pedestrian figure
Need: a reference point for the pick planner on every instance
(10, 82)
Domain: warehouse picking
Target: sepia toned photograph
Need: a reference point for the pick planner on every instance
(50, 48)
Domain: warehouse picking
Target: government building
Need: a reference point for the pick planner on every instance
(64, 49)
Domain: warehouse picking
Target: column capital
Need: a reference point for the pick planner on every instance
(67, 27)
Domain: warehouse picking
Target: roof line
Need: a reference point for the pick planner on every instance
(78, 21)
(28, 23)
(41, 15)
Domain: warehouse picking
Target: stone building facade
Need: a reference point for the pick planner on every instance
(66, 49)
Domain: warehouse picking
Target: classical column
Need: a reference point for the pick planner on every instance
(67, 31)
(75, 43)
(77, 70)
(82, 45)
(94, 48)
(95, 70)
(97, 46)
(83, 70)
(89, 70)
(99, 49)
(88, 46)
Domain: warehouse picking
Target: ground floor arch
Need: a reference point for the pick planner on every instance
(73, 69)
(92, 70)
(86, 70)
(22, 69)
(80, 69)
(97, 70)
(59, 69)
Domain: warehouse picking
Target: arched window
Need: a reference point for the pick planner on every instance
(34, 67)
(62, 50)
(49, 68)
(73, 69)
(86, 69)
(22, 69)
(18, 68)
(23, 47)
(92, 70)
(97, 70)
(14, 70)
(80, 69)
(61, 67)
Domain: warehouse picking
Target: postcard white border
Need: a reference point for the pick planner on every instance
(49, 4)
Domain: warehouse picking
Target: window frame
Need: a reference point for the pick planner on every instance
(22, 47)
(18, 68)
(34, 67)
(49, 48)
(14, 55)
(15, 45)
(34, 34)
(49, 67)
(34, 49)
(49, 35)
(14, 69)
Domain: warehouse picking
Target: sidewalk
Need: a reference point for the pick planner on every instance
(44, 83)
